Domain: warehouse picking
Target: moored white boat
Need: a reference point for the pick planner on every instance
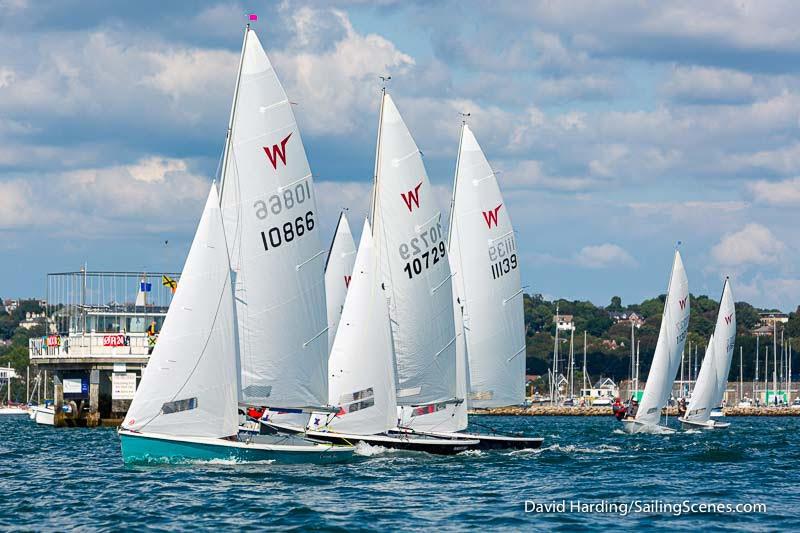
(13, 410)
(44, 414)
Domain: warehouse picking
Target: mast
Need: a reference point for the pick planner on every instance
(741, 375)
(584, 359)
(572, 362)
(229, 133)
(774, 358)
(638, 353)
(377, 157)
(455, 176)
(553, 383)
(755, 379)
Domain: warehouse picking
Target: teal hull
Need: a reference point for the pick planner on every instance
(152, 450)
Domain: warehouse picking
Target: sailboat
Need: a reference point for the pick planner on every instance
(487, 294)
(361, 366)
(671, 339)
(247, 324)
(414, 275)
(338, 272)
(713, 377)
(186, 405)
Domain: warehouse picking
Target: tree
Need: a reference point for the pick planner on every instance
(616, 304)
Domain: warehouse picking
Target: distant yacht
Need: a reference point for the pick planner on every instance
(645, 417)
(713, 377)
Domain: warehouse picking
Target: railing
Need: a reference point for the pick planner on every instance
(90, 345)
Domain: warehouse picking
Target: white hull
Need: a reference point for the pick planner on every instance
(11, 411)
(44, 415)
(710, 424)
(632, 426)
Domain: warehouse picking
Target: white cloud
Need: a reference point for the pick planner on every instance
(695, 84)
(604, 256)
(752, 245)
(780, 193)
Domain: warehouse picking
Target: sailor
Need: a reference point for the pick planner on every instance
(151, 337)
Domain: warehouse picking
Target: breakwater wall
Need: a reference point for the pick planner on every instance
(550, 410)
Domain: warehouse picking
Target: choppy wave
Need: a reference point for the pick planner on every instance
(581, 458)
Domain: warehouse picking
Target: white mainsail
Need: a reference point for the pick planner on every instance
(361, 364)
(671, 339)
(270, 217)
(407, 227)
(486, 279)
(713, 377)
(338, 270)
(189, 387)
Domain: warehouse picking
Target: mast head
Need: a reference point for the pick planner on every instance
(384, 79)
(464, 117)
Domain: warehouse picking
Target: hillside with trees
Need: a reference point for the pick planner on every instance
(608, 340)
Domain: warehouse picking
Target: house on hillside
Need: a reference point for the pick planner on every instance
(564, 322)
(602, 392)
(770, 319)
(623, 317)
(763, 331)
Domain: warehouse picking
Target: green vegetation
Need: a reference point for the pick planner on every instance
(14, 344)
(608, 343)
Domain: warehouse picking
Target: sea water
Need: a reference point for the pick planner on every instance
(587, 474)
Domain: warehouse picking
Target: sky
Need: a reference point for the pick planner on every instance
(616, 129)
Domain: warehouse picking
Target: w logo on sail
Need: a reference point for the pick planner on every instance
(729, 318)
(412, 197)
(347, 281)
(277, 153)
(682, 303)
(491, 216)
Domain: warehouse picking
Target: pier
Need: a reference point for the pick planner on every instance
(102, 327)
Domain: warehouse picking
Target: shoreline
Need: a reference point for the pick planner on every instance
(548, 410)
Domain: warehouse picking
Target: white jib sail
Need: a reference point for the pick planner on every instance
(713, 378)
(671, 339)
(189, 387)
(407, 226)
(338, 270)
(486, 277)
(270, 216)
(361, 364)
(702, 400)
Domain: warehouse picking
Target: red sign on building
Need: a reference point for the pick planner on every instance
(114, 340)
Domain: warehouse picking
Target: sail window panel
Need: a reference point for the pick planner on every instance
(428, 409)
(357, 401)
(179, 405)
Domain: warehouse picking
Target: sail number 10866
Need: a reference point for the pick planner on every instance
(277, 235)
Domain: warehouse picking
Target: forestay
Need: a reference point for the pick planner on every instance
(338, 270)
(713, 377)
(270, 216)
(407, 226)
(671, 339)
(362, 362)
(189, 387)
(486, 279)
